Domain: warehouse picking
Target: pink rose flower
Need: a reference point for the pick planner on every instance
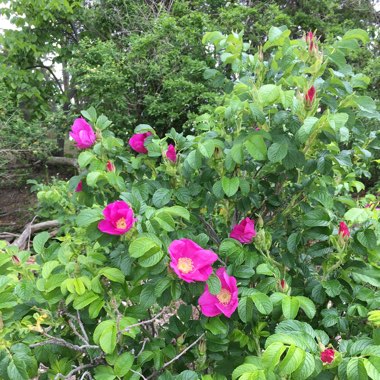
(137, 141)
(310, 96)
(225, 302)
(79, 187)
(244, 231)
(171, 153)
(327, 356)
(118, 219)
(190, 261)
(82, 134)
(110, 167)
(343, 230)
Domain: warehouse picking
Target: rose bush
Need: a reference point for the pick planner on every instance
(244, 249)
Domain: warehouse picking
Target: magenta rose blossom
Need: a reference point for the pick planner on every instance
(190, 261)
(244, 231)
(343, 230)
(225, 302)
(118, 218)
(82, 134)
(137, 141)
(79, 187)
(110, 167)
(327, 356)
(171, 153)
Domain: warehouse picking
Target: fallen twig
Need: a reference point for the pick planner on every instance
(31, 228)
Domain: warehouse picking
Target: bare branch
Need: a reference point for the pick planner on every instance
(30, 228)
(82, 327)
(75, 370)
(63, 343)
(144, 322)
(142, 348)
(138, 373)
(176, 358)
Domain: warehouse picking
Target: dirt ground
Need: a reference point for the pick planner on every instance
(16, 208)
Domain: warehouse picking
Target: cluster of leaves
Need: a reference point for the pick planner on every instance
(109, 305)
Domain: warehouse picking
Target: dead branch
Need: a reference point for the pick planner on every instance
(62, 161)
(31, 228)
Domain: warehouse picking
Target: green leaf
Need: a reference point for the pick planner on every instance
(245, 309)
(123, 364)
(103, 372)
(230, 185)
(262, 302)
(113, 274)
(268, 94)
(272, 354)
(357, 34)
(293, 359)
(237, 153)
(307, 305)
(337, 120)
(147, 296)
(85, 158)
(332, 287)
(367, 238)
(88, 216)
(306, 129)
(107, 339)
(372, 367)
(194, 159)
(161, 197)
(39, 241)
(290, 307)
(142, 245)
(277, 152)
(306, 369)
(216, 326)
(245, 369)
(207, 148)
(293, 242)
(93, 177)
(84, 300)
(150, 260)
(17, 369)
(95, 307)
(357, 215)
(176, 211)
(187, 375)
(317, 218)
(105, 336)
(90, 114)
(256, 147)
(356, 369)
(214, 285)
(142, 128)
(161, 285)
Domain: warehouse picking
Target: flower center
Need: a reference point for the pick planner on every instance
(185, 265)
(121, 224)
(224, 296)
